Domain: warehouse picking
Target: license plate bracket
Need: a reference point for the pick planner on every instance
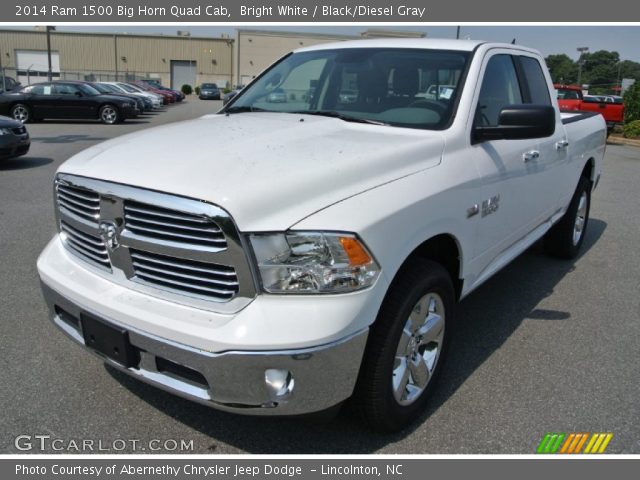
(109, 340)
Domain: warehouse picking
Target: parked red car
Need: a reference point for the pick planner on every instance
(570, 98)
(167, 96)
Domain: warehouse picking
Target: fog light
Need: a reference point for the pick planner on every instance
(279, 383)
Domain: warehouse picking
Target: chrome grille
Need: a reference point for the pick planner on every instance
(79, 201)
(180, 249)
(87, 246)
(185, 276)
(172, 225)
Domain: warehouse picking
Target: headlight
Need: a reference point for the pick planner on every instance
(313, 262)
(5, 131)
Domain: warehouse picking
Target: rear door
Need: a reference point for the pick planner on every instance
(552, 162)
(42, 99)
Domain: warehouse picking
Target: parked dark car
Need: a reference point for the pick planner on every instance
(66, 99)
(8, 84)
(110, 90)
(14, 138)
(209, 91)
(229, 96)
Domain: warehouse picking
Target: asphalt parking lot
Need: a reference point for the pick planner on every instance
(544, 346)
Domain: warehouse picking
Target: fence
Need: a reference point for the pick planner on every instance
(8, 77)
(30, 76)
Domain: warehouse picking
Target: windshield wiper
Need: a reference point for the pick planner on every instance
(339, 115)
(245, 108)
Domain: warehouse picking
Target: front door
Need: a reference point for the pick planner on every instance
(512, 172)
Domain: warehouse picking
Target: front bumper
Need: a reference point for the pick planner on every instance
(130, 112)
(233, 381)
(14, 145)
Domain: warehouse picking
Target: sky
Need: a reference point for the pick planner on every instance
(547, 39)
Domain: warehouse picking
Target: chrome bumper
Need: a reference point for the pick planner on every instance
(234, 381)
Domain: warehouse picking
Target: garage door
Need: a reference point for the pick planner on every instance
(33, 65)
(183, 72)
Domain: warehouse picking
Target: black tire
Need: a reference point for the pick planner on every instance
(109, 114)
(565, 238)
(21, 113)
(376, 395)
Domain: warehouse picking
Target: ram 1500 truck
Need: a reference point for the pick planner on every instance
(570, 98)
(292, 255)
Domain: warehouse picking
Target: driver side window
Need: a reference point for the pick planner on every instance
(65, 89)
(500, 88)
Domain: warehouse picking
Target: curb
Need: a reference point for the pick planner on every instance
(616, 140)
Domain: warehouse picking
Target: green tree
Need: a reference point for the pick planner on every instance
(630, 69)
(600, 71)
(632, 103)
(562, 68)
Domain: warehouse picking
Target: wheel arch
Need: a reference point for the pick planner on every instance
(589, 170)
(443, 249)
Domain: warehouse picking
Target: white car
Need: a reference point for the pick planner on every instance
(156, 100)
(322, 259)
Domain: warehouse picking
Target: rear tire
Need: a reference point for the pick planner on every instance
(21, 113)
(407, 347)
(565, 238)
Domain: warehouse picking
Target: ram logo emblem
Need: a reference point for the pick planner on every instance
(491, 205)
(109, 235)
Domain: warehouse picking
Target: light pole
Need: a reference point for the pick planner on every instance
(49, 72)
(185, 33)
(620, 77)
(582, 51)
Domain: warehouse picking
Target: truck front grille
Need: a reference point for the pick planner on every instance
(88, 247)
(172, 225)
(217, 282)
(178, 248)
(78, 201)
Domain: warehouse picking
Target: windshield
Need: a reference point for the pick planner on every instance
(87, 89)
(209, 85)
(382, 85)
(568, 94)
(126, 88)
(102, 88)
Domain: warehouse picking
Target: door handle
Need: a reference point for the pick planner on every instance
(562, 144)
(532, 155)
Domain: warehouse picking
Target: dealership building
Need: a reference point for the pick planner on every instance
(173, 59)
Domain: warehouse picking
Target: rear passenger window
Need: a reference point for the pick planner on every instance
(499, 88)
(538, 88)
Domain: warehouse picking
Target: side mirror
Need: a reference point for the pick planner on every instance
(78, 93)
(519, 122)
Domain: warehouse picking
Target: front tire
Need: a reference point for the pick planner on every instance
(109, 115)
(407, 347)
(21, 113)
(565, 238)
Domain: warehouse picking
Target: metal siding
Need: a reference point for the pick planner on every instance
(92, 52)
(258, 49)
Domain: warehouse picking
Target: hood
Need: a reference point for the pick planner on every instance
(268, 170)
(116, 97)
(7, 122)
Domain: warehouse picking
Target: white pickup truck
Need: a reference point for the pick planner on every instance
(308, 244)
